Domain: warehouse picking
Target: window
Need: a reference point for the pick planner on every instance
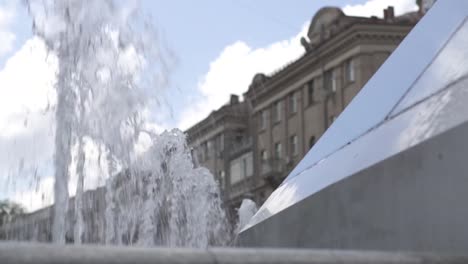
(330, 81)
(247, 165)
(293, 145)
(327, 80)
(241, 168)
(278, 150)
(195, 157)
(209, 149)
(219, 146)
(220, 143)
(222, 178)
(310, 92)
(263, 119)
(264, 164)
(263, 155)
(277, 111)
(332, 119)
(239, 135)
(312, 141)
(349, 70)
(292, 103)
(203, 152)
(235, 171)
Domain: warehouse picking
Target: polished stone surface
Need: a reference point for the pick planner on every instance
(412, 201)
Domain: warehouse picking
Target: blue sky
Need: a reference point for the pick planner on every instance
(219, 46)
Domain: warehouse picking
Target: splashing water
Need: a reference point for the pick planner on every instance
(109, 64)
(176, 204)
(246, 211)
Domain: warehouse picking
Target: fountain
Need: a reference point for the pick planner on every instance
(110, 70)
(400, 186)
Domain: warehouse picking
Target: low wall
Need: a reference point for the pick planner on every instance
(21, 253)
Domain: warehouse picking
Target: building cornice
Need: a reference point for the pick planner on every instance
(354, 34)
(209, 130)
(236, 114)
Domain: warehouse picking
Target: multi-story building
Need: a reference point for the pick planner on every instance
(285, 113)
(222, 143)
(293, 107)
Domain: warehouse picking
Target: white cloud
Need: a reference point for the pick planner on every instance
(7, 38)
(232, 73)
(376, 7)
(26, 85)
(26, 127)
(36, 198)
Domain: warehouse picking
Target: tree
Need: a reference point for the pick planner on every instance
(9, 210)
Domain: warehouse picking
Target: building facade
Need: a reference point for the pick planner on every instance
(283, 114)
(222, 143)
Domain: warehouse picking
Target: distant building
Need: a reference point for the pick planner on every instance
(222, 143)
(285, 113)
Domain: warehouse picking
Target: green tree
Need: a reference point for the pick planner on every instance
(8, 210)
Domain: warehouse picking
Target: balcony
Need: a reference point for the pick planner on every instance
(240, 147)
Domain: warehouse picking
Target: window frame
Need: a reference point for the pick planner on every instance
(276, 112)
(210, 148)
(331, 120)
(278, 150)
(330, 80)
(263, 155)
(334, 84)
(312, 141)
(220, 142)
(350, 70)
(293, 145)
(292, 102)
(222, 179)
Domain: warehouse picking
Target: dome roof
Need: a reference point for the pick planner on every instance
(325, 16)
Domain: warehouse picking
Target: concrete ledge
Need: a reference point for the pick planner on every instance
(25, 253)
